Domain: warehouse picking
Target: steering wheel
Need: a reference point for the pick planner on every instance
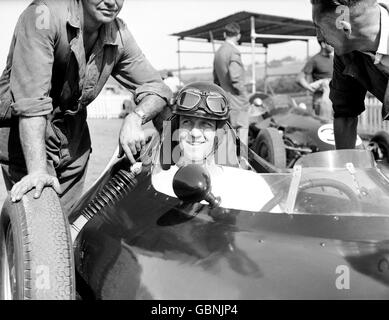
(314, 183)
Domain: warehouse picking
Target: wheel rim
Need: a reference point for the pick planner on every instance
(8, 265)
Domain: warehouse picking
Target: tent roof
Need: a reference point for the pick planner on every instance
(264, 24)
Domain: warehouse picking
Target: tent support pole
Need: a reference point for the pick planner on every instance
(307, 50)
(266, 68)
(179, 58)
(253, 80)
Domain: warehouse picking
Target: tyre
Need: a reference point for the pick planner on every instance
(379, 146)
(269, 145)
(36, 256)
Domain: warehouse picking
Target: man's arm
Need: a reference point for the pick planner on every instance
(348, 101)
(132, 138)
(302, 80)
(135, 73)
(236, 72)
(302, 76)
(30, 84)
(32, 136)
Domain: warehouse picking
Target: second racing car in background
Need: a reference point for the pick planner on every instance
(283, 132)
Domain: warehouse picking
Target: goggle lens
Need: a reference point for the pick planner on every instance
(216, 104)
(188, 100)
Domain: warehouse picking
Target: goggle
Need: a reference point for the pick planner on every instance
(215, 103)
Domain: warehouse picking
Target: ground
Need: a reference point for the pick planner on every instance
(104, 135)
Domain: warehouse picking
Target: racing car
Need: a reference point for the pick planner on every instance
(319, 230)
(283, 134)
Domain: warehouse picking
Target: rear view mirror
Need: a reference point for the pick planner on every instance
(192, 183)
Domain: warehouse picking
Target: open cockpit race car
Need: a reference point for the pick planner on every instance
(282, 131)
(243, 230)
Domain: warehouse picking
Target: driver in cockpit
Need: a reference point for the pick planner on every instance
(199, 133)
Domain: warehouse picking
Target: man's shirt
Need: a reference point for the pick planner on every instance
(47, 72)
(319, 67)
(357, 72)
(228, 69)
(382, 55)
(232, 43)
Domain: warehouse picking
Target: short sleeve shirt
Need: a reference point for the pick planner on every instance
(319, 67)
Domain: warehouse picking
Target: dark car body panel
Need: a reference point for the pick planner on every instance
(298, 126)
(152, 246)
(301, 133)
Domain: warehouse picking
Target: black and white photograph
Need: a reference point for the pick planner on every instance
(194, 153)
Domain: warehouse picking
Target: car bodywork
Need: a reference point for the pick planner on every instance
(299, 129)
(321, 234)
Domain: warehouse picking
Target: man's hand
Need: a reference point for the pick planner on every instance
(323, 84)
(302, 81)
(131, 138)
(32, 138)
(37, 180)
(310, 88)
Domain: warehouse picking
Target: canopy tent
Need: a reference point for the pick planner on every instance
(255, 28)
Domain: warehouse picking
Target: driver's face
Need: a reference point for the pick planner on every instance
(102, 11)
(196, 137)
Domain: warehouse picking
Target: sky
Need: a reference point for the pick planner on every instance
(152, 21)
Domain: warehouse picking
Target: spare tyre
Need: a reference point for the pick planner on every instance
(36, 256)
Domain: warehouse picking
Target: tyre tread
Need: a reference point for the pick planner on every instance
(46, 242)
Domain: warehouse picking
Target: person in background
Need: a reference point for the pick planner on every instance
(229, 73)
(173, 82)
(315, 77)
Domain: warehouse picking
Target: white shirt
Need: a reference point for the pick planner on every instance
(238, 189)
(382, 54)
(173, 83)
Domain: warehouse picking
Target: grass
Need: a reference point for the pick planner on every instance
(105, 134)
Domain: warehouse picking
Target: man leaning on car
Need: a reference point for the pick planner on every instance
(359, 32)
(61, 55)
